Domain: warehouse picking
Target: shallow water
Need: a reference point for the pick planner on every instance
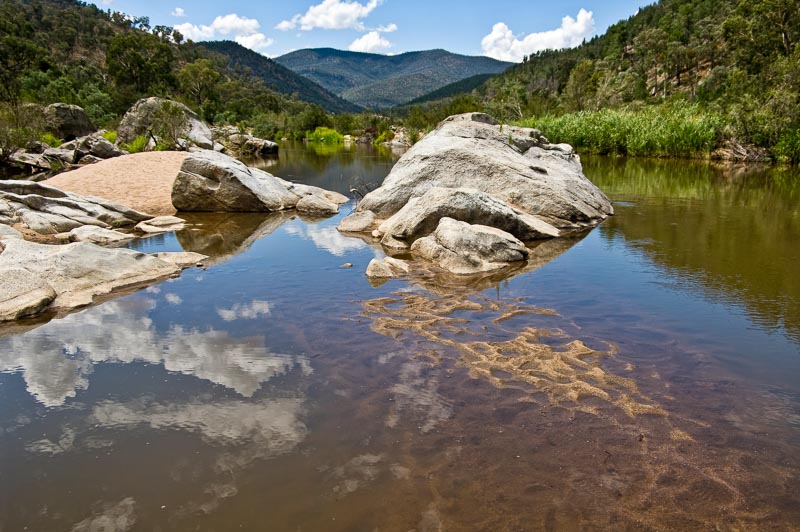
(643, 376)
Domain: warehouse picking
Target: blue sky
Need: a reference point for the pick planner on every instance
(505, 29)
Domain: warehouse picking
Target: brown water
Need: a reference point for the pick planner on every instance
(643, 376)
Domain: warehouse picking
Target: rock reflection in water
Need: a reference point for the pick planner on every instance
(57, 359)
(223, 236)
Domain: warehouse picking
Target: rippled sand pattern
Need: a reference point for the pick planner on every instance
(547, 359)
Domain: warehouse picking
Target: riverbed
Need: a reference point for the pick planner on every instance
(644, 375)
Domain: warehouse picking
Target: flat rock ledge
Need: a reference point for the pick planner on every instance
(46, 210)
(214, 182)
(35, 278)
(473, 170)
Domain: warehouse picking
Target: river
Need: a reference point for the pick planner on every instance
(645, 375)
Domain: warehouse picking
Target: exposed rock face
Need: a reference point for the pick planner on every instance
(421, 215)
(140, 119)
(242, 143)
(81, 151)
(465, 249)
(386, 268)
(67, 121)
(161, 224)
(316, 205)
(49, 211)
(516, 165)
(472, 169)
(37, 277)
(214, 182)
(98, 235)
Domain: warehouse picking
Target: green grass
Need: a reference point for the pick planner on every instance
(325, 135)
(51, 140)
(669, 130)
(137, 145)
(110, 136)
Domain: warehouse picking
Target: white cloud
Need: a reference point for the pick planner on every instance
(245, 31)
(370, 42)
(502, 44)
(257, 42)
(331, 15)
(387, 29)
(178, 12)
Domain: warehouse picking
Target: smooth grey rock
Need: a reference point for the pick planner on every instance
(37, 160)
(22, 294)
(98, 235)
(421, 215)
(308, 190)
(213, 182)
(465, 249)
(67, 121)
(512, 164)
(387, 268)
(161, 224)
(358, 222)
(97, 146)
(316, 205)
(65, 157)
(182, 259)
(77, 272)
(140, 119)
(7, 231)
(48, 210)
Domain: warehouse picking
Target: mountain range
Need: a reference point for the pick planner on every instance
(279, 78)
(377, 81)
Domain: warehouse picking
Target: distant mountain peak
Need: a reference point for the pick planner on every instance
(379, 81)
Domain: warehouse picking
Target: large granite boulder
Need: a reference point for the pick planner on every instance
(214, 182)
(48, 211)
(466, 249)
(37, 277)
(421, 215)
(141, 120)
(67, 121)
(515, 165)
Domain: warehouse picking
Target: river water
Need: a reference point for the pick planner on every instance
(645, 375)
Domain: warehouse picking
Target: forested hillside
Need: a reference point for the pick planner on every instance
(277, 77)
(380, 81)
(73, 52)
(729, 68)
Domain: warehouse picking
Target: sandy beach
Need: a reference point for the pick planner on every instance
(142, 181)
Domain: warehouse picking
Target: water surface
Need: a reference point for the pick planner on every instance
(645, 375)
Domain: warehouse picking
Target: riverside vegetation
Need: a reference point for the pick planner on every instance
(681, 78)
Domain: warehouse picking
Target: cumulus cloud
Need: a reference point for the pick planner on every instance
(370, 42)
(387, 29)
(327, 239)
(502, 44)
(244, 30)
(331, 15)
(178, 12)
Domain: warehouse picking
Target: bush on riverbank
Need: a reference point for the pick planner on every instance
(670, 130)
(325, 135)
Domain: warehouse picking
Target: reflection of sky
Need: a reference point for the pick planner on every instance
(57, 359)
(326, 238)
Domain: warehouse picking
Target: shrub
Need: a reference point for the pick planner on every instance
(110, 136)
(669, 130)
(137, 145)
(325, 135)
(51, 140)
(788, 148)
(386, 136)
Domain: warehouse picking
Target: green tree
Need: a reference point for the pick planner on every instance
(199, 80)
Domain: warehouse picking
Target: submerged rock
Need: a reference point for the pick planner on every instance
(386, 268)
(37, 277)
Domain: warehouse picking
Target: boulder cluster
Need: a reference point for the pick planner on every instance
(472, 193)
